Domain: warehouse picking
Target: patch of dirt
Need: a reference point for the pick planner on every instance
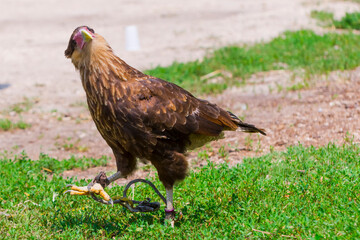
(328, 111)
(35, 35)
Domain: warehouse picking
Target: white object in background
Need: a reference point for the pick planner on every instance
(132, 38)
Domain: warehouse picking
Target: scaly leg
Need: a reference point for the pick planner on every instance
(96, 187)
(169, 210)
(114, 177)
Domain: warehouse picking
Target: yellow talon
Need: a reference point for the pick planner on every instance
(78, 193)
(96, 188)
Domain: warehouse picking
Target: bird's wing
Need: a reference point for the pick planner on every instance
(169, 109)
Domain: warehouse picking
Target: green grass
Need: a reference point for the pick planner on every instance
(6, 124)
(292, 50)
(326, 19)
(23, 106)
(349, 21)
(302, 192)
(298, 86)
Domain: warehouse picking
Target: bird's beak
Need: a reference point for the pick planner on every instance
(87, 36)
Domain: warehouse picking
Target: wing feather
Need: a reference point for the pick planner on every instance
(171, 108)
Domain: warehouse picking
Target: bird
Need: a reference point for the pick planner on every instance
(143, 118)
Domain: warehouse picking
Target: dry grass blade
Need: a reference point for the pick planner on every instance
(6, 214)
(210, 75)
(22, 203)
(268, 233)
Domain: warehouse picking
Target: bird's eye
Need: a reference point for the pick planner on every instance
(91, 30)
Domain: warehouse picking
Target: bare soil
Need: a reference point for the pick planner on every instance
(34, 36)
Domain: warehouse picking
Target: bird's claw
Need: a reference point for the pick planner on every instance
(170, 217)
(91, 190)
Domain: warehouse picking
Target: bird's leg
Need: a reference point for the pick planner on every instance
(96, 187)
(169, 210)
(115, 176)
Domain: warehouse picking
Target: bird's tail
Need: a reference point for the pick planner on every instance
(246, 127)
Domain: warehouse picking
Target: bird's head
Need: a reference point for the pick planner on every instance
(80, 38)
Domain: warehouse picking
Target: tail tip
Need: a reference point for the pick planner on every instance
(262, 131)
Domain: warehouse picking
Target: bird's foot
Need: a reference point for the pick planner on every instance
(91, 189)
(170, 216)
(95, 187)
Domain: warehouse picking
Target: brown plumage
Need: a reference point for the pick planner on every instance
(144, 117)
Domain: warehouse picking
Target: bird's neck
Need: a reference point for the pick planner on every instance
(102, 70)
(100, 60)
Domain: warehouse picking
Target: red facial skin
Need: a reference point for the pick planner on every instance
(79, 38)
